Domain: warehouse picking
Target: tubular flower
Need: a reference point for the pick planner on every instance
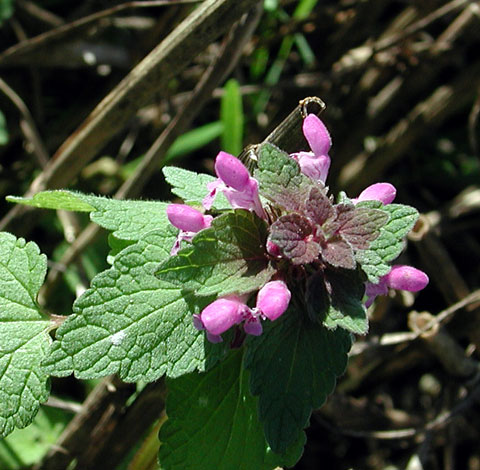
(400, 277)
(188, 220)
(272, 301)
(383, 192)
(235, 182)
(315, 163)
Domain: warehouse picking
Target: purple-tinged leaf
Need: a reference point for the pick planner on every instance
(338, 253)
(293, 234)
(318, 206)
(362, 226)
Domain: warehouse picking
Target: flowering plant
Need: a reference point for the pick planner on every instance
(246, 297)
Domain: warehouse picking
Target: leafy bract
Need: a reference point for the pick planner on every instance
(293, 365)
(280, 178)
(346, 308)
(213, 424)
(192, 187)
(128, 220)
(389, 244)
(292, 234)
(130, 323)
(228, 257)
(24, 338)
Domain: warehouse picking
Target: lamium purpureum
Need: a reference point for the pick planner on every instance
(313, 243)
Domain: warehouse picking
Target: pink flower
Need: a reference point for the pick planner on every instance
(235, 182)
(273, 299)
(400, 277)
(316, 163)
(383, 192)
(188, 220)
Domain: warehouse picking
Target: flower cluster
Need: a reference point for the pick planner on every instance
(307, 228)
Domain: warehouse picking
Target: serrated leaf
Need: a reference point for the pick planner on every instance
(128, 220)
(346, 309)
(292, 234)
(192, 187)
(362, 226)
(318, 206)
(338, 253)
(390, 242)
(213, 424)
(294, 365)
(280, 179)
(130, 323)
(57, 199)
(24, 338)
(226, 258)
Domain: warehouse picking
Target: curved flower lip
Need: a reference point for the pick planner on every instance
(187, 218)
(400, 277)
(222, 314)
(273, 299)
(317, 135)
(406, 278)
(316, 167)
(232, 171)
(383, 192)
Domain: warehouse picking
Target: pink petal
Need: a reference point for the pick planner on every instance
(383, 192)
(317, 135)
(316, 167)
(406, 278)
(253, 327)
(221, 315)
(231, 171)
(187, 218)
(273, 299)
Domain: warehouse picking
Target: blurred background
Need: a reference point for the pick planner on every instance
(401, 81)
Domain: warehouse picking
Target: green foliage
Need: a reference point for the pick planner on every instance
(192, 187)
(280, 179)
(213, 424)
(26, 446)
(24, 338)
(228, 257)
(6, 10)
(294, 366)
(130, 323)
(389, 244)
(3, 121)
(231, 115)
(128, 220)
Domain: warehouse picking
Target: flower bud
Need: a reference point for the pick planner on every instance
(316, 167)
(187, 218)
(317, 135)
(383, 192)
(231, 171)
(406, 278)
(222, 314)
(273, 299)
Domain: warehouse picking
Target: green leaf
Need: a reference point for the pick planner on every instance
(389, 244)
(280, 179)
(130, 323)
(346, 309)
(228, 257)
(6, 10)
(25, 447)
(293, 365)
(213, 424)
(3, 123)
(192, 187)
(24, 338)
(128, 220)
(231, 115)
